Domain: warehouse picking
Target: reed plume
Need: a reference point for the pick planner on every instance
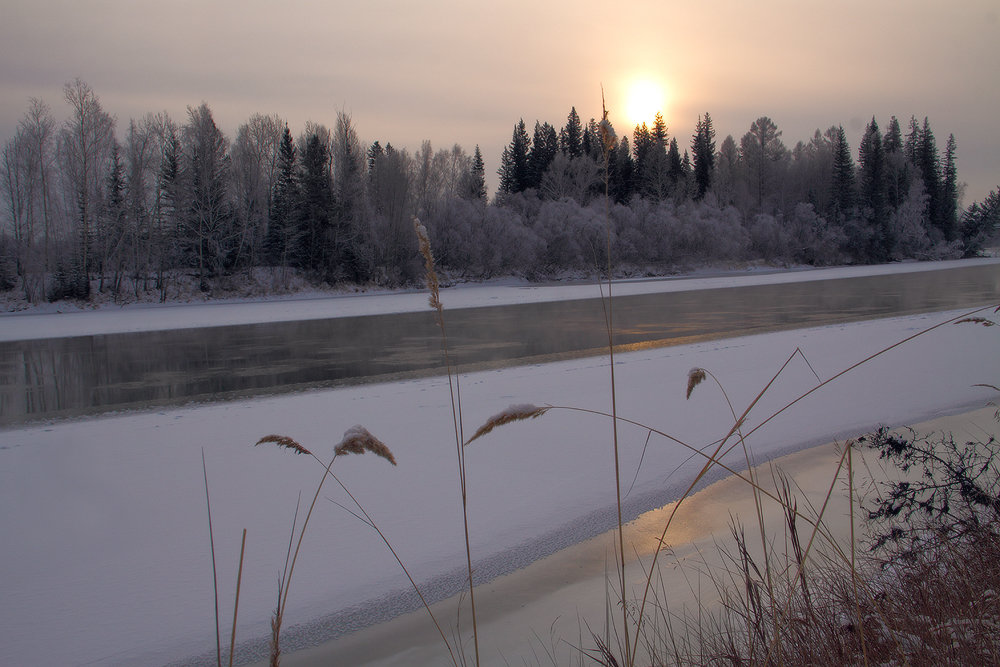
(358, 440)
(513, 413)
(695, 377)
(286, 442)
(433, 282)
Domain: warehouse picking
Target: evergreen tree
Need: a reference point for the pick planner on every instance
(873, 177)
(688, 169)
(544, 147)
(513, 169)
(281, 233)
(911, 145)
(897, 173)
(621, 173)
(675, 168)
(314, 252)
(642, 146)
(949, 191)
(474, 182)
(703, 148)
(929, 167)
(656, 167)
(592, 146)
(571, 136)
(209, 214)
(171, 202)
(843, 184)
(375, 151)
(111, 225)
(980, 222)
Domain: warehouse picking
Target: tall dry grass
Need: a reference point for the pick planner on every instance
(817, 599)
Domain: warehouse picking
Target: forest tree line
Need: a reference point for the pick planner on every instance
(91, 206)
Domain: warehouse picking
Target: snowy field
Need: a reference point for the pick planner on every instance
(105, 557)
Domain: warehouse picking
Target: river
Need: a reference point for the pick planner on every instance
(82, 375)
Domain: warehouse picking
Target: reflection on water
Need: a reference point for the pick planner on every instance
(87, 374)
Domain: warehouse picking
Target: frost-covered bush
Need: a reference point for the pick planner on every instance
(906, 226)
(575, 237)
(816, 241)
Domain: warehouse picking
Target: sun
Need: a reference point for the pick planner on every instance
(645, 98)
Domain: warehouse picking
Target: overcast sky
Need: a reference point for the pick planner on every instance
(465, 72)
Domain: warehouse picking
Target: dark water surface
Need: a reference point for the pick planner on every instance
(91, 374)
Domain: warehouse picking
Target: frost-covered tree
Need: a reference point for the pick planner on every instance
(209, 234)
(763, 154)
(254, 169)
(727, 172)
(352, 250)
(85, 148)
(980, 223)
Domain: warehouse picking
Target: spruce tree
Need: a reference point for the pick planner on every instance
(675, 169)
(571, 136)
(843, 182)
(929, 168)
(621, 173)
(111, 224)
(656, 168)
(513, 171)
(873, 177)
(897, 171)
(703, 148)
(315, 197)
(642, 146)
(473, 185)
(281, 225)
(949, 191)
(544, 146)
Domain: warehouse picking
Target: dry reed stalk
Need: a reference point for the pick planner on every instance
(367, 519)
(608, 141)
(236, 604)
(215, 575)
(695, 377)
(356, 440)
(455, 392)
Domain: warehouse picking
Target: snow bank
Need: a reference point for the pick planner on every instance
(106, 550)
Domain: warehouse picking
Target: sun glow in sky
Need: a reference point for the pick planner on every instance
(644, 99)
(466, 73)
